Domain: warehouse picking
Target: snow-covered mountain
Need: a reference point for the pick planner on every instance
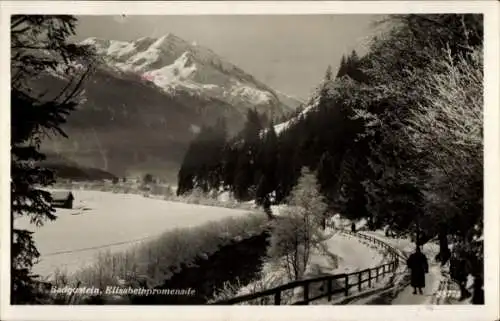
(174, 64)
(148, 98)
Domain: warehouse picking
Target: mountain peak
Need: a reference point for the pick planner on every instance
(170, 62)
(169, 39)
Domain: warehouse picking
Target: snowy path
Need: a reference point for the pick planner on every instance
(342, 254)
(432, 279)
(107, 221)
(344, 246)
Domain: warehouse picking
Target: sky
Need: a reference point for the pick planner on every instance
(290, 53)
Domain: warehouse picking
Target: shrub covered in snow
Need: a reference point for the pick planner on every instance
(153, 262)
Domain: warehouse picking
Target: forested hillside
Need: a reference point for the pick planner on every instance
(395, 136)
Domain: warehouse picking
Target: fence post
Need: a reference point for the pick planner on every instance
(347, 285)
(386, 268)
(277, 298)
(329, 289)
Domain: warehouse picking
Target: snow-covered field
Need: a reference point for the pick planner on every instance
(107, 221)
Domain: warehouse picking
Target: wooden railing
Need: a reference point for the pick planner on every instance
(360, 277)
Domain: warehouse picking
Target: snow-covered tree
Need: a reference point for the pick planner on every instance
(306, 195)
(421, 106)
(294, 236)
(448, 126)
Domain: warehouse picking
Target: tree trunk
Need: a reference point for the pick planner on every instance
(417, 232)
(267, 208)
(444, 251)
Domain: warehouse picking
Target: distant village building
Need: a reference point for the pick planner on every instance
(62, 199)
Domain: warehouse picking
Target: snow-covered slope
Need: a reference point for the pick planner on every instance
(282, 126)
(309, 106)
(171, 63)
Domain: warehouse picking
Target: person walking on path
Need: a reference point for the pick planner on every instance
(418, 265)
(353, 227)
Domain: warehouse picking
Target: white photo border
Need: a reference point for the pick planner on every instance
(487, 312)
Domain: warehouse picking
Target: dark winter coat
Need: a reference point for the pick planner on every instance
(417, 263)
(458, 269)
(478, 292)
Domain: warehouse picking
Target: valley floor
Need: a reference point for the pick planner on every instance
(101, 221)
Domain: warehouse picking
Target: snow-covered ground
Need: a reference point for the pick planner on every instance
(353, 254)
(107, 221)
(432, 279)
(341, 254)
(407, 245)
(336, 221)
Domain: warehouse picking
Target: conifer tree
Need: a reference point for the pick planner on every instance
(328, 74)
(267, 164)
(326, 175)
(342, 67)
(246, 175)
(202, 165)
(186, 175)
(39, 45)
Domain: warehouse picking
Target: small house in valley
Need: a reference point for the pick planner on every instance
(62, 199)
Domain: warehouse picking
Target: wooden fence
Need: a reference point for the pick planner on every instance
(360, 277)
